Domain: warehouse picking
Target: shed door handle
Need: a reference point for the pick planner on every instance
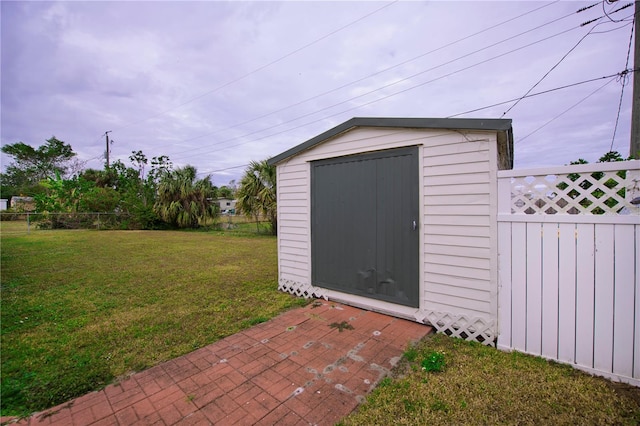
(415, 225)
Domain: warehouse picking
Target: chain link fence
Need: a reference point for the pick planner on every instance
(25, 222)
(42, 221)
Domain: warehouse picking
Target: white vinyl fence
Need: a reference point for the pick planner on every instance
(568, 250)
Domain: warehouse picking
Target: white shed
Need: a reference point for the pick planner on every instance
(397, 215)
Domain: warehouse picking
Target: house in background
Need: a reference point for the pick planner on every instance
(227, 206)
(397, 215)
(4, 204)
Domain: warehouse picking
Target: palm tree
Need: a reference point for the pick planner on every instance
(257, 193)
(184, 202)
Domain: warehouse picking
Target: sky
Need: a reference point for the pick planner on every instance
(217, 84)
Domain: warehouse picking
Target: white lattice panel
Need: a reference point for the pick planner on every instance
(592, 193)
(456, 325)
(300, 289)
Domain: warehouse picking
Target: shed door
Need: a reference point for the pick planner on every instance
(364, 225)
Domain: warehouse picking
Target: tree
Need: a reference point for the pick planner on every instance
(140, 199)
(33, 165)
(612, 157)
(225, 192)
(63, 196)
(60, 196)
(183, 201)
(609, 157)
(128, 189)
(257, 192)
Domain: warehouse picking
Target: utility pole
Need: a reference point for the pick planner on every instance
(634, 145)
(106, 135)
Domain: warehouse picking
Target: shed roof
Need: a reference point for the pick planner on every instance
(501, 124)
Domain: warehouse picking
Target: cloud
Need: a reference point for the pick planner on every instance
(217, 84)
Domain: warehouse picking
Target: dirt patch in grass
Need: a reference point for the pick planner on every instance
(81, 308)
(481, 385)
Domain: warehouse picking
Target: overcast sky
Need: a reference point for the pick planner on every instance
(217, 84)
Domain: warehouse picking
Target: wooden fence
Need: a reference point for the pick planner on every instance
(568, 250)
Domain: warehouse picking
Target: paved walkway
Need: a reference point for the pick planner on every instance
(311, 365)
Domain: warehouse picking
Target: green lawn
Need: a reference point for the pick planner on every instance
(447, 381)
(82, 308)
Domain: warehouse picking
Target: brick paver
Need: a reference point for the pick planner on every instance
(295, 369)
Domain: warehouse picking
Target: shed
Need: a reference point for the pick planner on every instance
(397, 215)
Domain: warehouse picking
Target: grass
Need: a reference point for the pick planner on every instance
(242, 225)
(444, 380)
(79, 309)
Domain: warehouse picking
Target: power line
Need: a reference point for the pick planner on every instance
(395, 66)
(611, 76)
(198, 151)
(624, 80)
(582, 9)
(608, 15)
(275, 61)
(223, 170)
(385, 97)
(422, 55)
(541, 93)
(511, 100)
(614, 29)
(565, 111)
(342, 112)
(549, 72)
(567, 54)
(375, 90)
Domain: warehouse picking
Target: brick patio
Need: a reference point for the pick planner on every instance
(295, 369)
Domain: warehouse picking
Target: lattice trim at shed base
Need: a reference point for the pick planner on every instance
(468, 328)
(300, 289)
(476, 329)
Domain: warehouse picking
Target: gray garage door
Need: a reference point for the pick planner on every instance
(364, 225)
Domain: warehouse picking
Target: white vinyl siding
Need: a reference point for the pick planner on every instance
(459, 192)
(293, 222)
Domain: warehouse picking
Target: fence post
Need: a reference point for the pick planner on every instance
(28, 224)
(633, 187)
(504, 195)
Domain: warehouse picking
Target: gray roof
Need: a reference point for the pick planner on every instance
(494, 124)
